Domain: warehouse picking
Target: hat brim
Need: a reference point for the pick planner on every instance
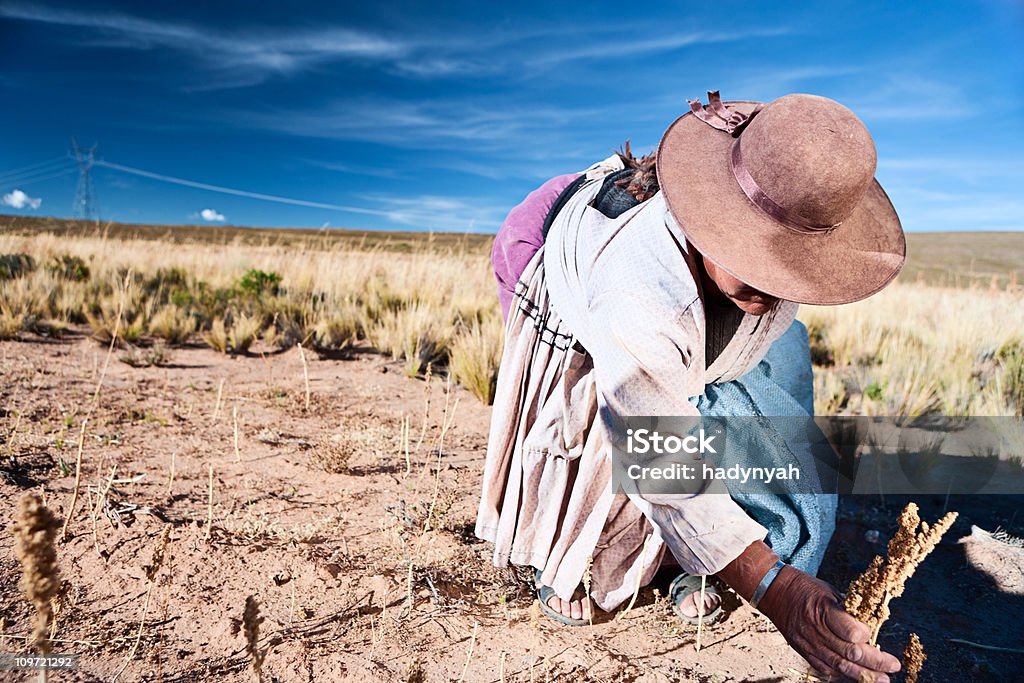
(849, 263)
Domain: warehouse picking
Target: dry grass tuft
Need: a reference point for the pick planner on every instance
(244, 331)
(413, 334)
(11, 323)
(1010, 359)
(334, 454)
(915, 349)
(869, 594)
(217, 336)
(35, 530)
(338, 330)
(172, 324)
(475, 357)
(371, 438)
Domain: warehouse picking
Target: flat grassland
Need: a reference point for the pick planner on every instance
(307, 411)
(327, 238)
(955, 259)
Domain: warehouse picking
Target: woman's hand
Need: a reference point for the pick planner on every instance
(809, 615)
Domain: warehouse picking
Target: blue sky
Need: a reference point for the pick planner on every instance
(442, 116)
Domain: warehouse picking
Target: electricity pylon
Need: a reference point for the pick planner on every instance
(85, 206)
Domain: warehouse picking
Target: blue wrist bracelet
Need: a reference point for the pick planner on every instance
(762, 587)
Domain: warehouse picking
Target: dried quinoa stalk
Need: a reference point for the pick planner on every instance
(35, 529)
(869, 594)
(159, 553)
(913, 658)
(251, 621)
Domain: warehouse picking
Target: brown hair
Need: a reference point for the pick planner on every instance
(643, 184)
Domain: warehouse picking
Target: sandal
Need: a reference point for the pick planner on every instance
(685, 585)
(545, 593)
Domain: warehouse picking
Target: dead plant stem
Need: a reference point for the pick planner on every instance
(78, 482)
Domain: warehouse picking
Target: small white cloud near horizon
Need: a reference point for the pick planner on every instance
(212, 216)
(19, 200)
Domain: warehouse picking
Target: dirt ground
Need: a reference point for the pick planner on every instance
(364, 561)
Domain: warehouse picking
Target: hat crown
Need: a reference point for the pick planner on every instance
(811, 156)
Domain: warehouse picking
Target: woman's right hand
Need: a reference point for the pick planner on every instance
(808, 613)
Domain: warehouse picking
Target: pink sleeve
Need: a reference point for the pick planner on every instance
(521, 236)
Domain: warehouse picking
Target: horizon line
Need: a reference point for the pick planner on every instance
(235, 226)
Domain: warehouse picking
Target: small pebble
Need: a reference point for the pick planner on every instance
(872, 536)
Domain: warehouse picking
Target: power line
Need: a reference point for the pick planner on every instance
(238, 193)
(85, 204)
(16, 171)
(17, 175)
(40, 179)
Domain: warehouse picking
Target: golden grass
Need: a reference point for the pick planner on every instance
(172, 324)
(360, 240)
(475, 357)
(964, 259)
(913, 349)
(11, 323)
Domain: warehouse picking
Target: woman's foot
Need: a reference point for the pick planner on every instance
(685, 595)
(578, 608)
(573, 612)
(688, 605)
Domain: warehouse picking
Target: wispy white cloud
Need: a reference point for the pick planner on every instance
(908, 96)
(766, 82)
(212, 216)
(355, 168)
(453, 124)
(19, 200)
(448, 67)
(616, 46)
(242, 57)
(441, 213)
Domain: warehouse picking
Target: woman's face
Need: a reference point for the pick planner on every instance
(748, 299)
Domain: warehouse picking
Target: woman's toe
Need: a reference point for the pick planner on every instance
(573, 609)
(689, 604)
(711, 603)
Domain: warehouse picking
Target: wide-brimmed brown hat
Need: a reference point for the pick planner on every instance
(783, 196)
